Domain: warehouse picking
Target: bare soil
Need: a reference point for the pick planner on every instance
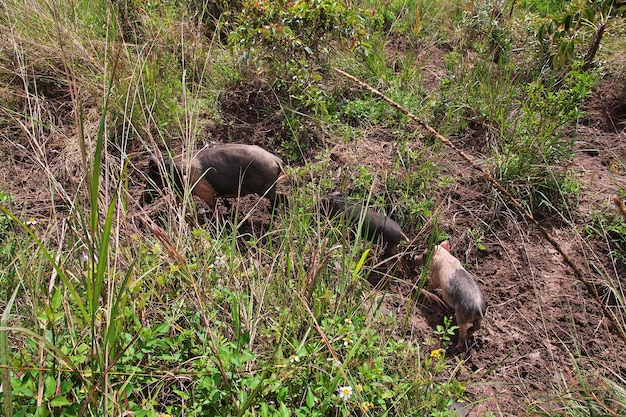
(542, 324)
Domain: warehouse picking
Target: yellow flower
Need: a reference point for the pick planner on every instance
(437, 353)
(367, 406)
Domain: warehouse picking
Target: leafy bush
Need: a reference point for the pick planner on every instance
(520, 123)
(294, 40)
(529, 161)
(560, 34)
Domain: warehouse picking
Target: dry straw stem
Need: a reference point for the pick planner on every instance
(577, 271)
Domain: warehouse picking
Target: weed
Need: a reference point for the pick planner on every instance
(488, 30)
(445, 331)
(7, 238)
(612, 228)
(478, 238)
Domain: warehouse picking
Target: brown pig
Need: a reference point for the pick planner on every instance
(374, 224)
(226, 170)
(459, 290)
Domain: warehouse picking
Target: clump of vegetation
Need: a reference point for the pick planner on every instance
(559, 34)
(293, 41)
(520, 125)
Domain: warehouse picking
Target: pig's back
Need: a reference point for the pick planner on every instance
(465, 296)
(377, 223)
(225, 165)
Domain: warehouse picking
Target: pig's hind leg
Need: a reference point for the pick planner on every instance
(205, 191)
(463, 328)
(432, 297)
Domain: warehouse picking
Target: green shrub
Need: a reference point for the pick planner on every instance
(294, 40)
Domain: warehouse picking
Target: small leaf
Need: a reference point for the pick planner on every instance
(283, 410)
(480, 246)
(59, 402)
(358, 267)
(56, 299)
(310, 398)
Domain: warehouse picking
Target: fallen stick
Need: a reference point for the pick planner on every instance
(577, 271)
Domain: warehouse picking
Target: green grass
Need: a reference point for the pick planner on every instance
(103, 313)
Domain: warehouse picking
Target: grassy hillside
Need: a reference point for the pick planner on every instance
(111, 307)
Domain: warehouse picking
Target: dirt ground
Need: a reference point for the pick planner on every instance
(540, 317)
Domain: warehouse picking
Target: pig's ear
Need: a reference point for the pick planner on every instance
(446, 245)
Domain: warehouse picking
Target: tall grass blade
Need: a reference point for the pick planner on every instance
(5, 375)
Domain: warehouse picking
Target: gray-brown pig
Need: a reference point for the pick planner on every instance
(226, 170)
(459, 290)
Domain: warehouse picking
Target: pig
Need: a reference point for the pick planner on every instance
(459, 290)
(226, 170)
(374, 224)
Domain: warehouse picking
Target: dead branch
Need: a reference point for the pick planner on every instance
(593, 47)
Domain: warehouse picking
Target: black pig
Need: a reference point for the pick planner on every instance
(374, 224)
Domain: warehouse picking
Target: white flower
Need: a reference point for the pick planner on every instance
(348, 321)
(294, 358)
(336, 362)
(345, 392)
(31, 222)
(347, 340)
(220, 260)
